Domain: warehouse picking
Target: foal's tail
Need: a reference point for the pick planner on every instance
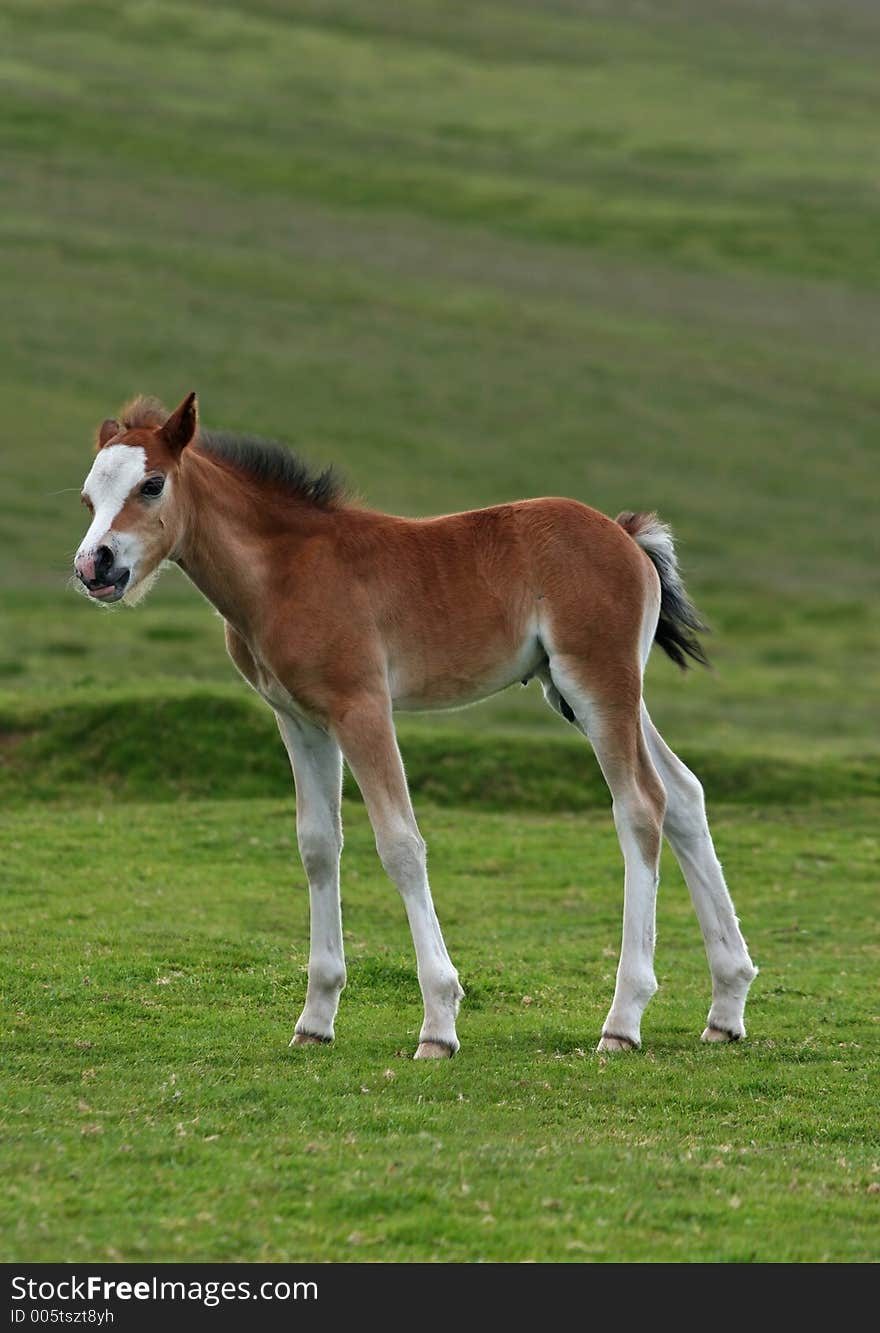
(679, 621)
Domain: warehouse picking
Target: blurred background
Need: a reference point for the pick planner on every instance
(467, 252)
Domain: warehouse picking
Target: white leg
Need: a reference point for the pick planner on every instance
(615, 733)
(367, 737)
(635, 982)
(317, 770)
(688, 832)
(404, 855)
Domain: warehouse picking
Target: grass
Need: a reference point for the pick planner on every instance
(467, 261)
(622, 251)
(155, 1111)
(126, 746)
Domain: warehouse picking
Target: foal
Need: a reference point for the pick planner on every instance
(336, 615)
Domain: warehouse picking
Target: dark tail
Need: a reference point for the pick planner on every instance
(679, 621)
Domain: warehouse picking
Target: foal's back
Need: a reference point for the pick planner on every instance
(468, 603)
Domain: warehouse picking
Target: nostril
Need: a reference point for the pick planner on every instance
(103, 562)
(85, 568)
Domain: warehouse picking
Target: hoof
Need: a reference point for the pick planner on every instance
(610, 1044)
(434, 1050)
(309, 1039)
(719, 1034)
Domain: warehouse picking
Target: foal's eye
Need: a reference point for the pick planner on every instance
(153, 487)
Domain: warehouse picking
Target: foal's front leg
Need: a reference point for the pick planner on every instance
(365, 732)
(317, 771)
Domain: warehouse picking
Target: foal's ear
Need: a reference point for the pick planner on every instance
(181, 425)
(106, 431)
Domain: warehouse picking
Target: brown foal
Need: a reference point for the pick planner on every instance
(337, 615)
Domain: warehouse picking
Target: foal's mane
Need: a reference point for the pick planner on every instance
(263, 461)
(274, 465)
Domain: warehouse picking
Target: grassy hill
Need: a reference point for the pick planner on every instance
(625, 252)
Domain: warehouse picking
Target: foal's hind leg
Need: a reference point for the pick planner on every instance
(613, 726)
(688, 833)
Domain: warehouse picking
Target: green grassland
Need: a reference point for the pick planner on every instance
(621, 251)
(625, 255)
(156, 1112)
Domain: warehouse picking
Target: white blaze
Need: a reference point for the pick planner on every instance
(114, 474)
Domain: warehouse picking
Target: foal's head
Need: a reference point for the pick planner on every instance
(131, 493)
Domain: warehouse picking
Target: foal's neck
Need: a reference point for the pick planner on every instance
(234, 536)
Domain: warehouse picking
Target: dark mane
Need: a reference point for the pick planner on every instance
(274, 465)
(264, 461)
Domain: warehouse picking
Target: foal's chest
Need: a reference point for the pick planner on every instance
(275, 694)
(262, 679)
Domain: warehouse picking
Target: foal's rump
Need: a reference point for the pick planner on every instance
(598, 595)
(611, 581)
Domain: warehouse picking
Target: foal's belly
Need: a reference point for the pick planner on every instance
(418, 686)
